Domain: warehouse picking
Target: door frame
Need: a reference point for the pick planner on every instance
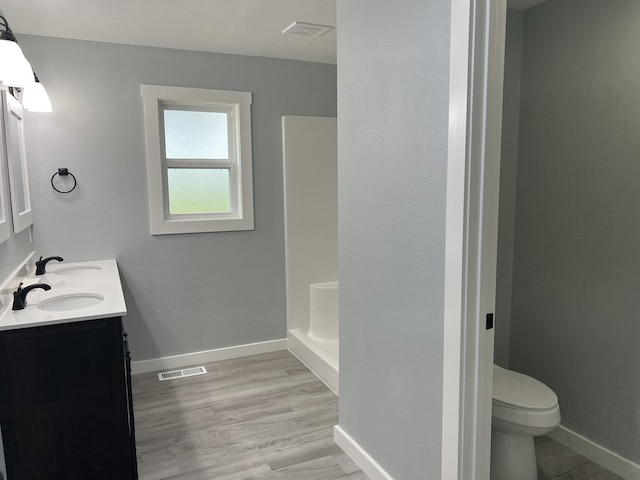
(473, 174)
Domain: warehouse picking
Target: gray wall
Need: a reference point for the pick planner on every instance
(576, 305)
(393, 66)
(14, 251)
(184, 293)
(508, 169)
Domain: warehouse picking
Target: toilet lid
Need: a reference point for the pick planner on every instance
(519, 390)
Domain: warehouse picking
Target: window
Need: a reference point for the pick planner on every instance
(198, 159)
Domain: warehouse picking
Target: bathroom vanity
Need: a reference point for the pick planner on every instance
(65, 376)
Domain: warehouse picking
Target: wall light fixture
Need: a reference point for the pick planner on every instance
(15, 70)
(35, 98)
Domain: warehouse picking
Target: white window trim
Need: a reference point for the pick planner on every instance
(154, 97)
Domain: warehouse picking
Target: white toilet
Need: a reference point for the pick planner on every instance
(523, 408)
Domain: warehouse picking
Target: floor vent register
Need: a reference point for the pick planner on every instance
(187, 372)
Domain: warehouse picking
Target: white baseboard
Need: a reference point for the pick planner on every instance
(597, 453)
(361, 458)
(179, 361)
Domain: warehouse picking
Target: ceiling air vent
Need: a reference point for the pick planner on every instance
(307, 29)
(187, 372)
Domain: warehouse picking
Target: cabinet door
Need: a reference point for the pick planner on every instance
(63, 403)
(17, 162)
(5, 230)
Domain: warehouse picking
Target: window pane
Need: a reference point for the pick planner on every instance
(198, 135)
(198, 190)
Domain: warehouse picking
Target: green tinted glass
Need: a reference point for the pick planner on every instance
(198, 190)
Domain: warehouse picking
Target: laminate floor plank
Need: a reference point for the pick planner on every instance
(261, 417)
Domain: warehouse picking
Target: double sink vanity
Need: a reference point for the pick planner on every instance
(65, 374)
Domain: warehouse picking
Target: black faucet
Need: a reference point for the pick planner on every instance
(20, 295)
(41, 264)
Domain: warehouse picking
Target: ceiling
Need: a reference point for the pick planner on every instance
(240, 27)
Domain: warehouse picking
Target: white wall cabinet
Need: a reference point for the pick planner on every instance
(5, 226)
(16, 161)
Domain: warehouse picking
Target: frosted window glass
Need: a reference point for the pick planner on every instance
(198, 190)
(197, 135)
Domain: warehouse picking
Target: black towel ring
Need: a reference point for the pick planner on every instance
(63, 172)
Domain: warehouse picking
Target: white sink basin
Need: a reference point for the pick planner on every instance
(79, 291)
(70, 301)
(76, 269)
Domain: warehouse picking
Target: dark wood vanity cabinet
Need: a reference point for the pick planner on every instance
(65, 402)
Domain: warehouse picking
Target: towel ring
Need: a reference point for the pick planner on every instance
(63, 172)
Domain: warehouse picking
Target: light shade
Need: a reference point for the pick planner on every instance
(35, 98)
(15, 70)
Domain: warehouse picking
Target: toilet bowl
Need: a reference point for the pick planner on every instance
(522, 408)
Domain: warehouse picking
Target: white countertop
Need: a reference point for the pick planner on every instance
(100, 278)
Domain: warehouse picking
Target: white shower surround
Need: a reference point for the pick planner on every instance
(317, 347)
(323, 311)
(311, 242)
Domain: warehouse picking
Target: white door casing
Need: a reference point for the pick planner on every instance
(475, 124)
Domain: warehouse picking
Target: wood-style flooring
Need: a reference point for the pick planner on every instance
(557, 462)
(262, 417)
(267, 417)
